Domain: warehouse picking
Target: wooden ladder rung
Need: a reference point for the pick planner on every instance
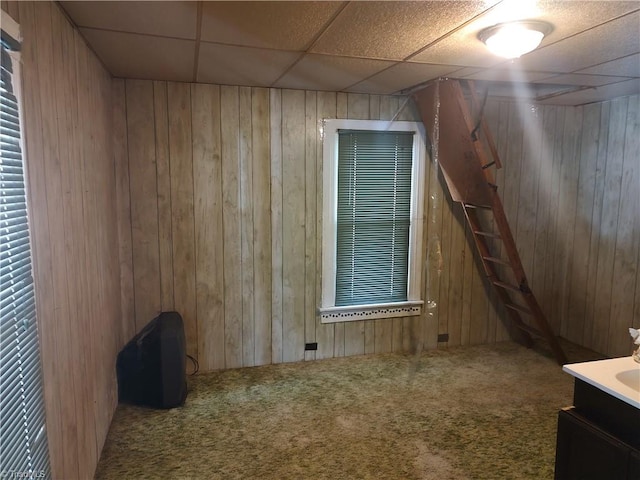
(496, 260)
(486, 234)
(518, 308)
(507, 286)
(471, 205)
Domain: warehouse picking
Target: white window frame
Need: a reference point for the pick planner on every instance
(329, 312)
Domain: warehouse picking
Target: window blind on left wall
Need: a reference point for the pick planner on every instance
(23, 441)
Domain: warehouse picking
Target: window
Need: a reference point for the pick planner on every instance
(23, 440)
(372, 219)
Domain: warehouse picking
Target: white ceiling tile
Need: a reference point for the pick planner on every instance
(595, 39)
(323, 72)
(597, 94)
(504, 75)
(627, 66)
(141, 56)
(521, 91)
(402, 76)
(169, 19)
(568, 18)
(230, 65)
(283, 25)
(393, 30)
(606, 42)
(582, 80)
(467, 71)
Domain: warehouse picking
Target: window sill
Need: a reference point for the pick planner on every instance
(370, 312)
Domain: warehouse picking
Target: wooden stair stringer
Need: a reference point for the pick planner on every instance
(464, 164)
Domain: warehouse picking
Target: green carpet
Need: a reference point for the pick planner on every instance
(483, 412)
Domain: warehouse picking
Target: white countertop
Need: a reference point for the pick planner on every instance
(619, 377)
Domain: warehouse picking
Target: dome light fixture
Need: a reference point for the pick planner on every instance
(513, 39)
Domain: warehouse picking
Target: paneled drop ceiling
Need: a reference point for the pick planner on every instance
(592, 54)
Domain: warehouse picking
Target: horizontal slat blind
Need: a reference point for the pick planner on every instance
(373, 216)
(22, 423)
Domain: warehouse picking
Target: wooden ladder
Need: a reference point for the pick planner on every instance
(466, 169)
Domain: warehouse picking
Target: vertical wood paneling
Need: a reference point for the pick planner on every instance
(609, 223)
(52, 169)
(555, 226)
(456, 275)
(163, 183)
(75, 233)
(583, 195)
(275, 125)
(524, 227)
(261, 225)
(467, 277)
(270, 183)
(144, 205)
(310, 234)
(627, 244)
(325, 333)
(229, 121)
(502, 140)
(123, 205)
(569, 174)
(293, 235)
(596, 219)
(543, 249)
(432, 252)
(182, 222)
(104, 313)
(445, 276)
(246, 226)
(70, 117)
(207, 190)
(41, 235)
(576, 311)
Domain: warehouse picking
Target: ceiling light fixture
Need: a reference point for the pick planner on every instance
(513, 39)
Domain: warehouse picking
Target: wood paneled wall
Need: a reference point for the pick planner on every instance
(67, 115)
(224, 188)
(571, 187)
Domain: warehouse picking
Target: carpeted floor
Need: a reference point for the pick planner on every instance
(483, 412)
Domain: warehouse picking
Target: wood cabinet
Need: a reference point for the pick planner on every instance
(598, 438)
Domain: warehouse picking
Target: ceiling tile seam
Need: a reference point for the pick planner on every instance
(153, 35)
(322, 30)
(370, 76)
(399, 92)
(312, 42)
(196, 50)
(238, 45)
(581, 87)
(621, 77)
(593, 27)
(566, 91)
(450, 32)
(605, 62)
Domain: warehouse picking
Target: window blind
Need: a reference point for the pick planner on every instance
(373, 216)
(23, 440)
